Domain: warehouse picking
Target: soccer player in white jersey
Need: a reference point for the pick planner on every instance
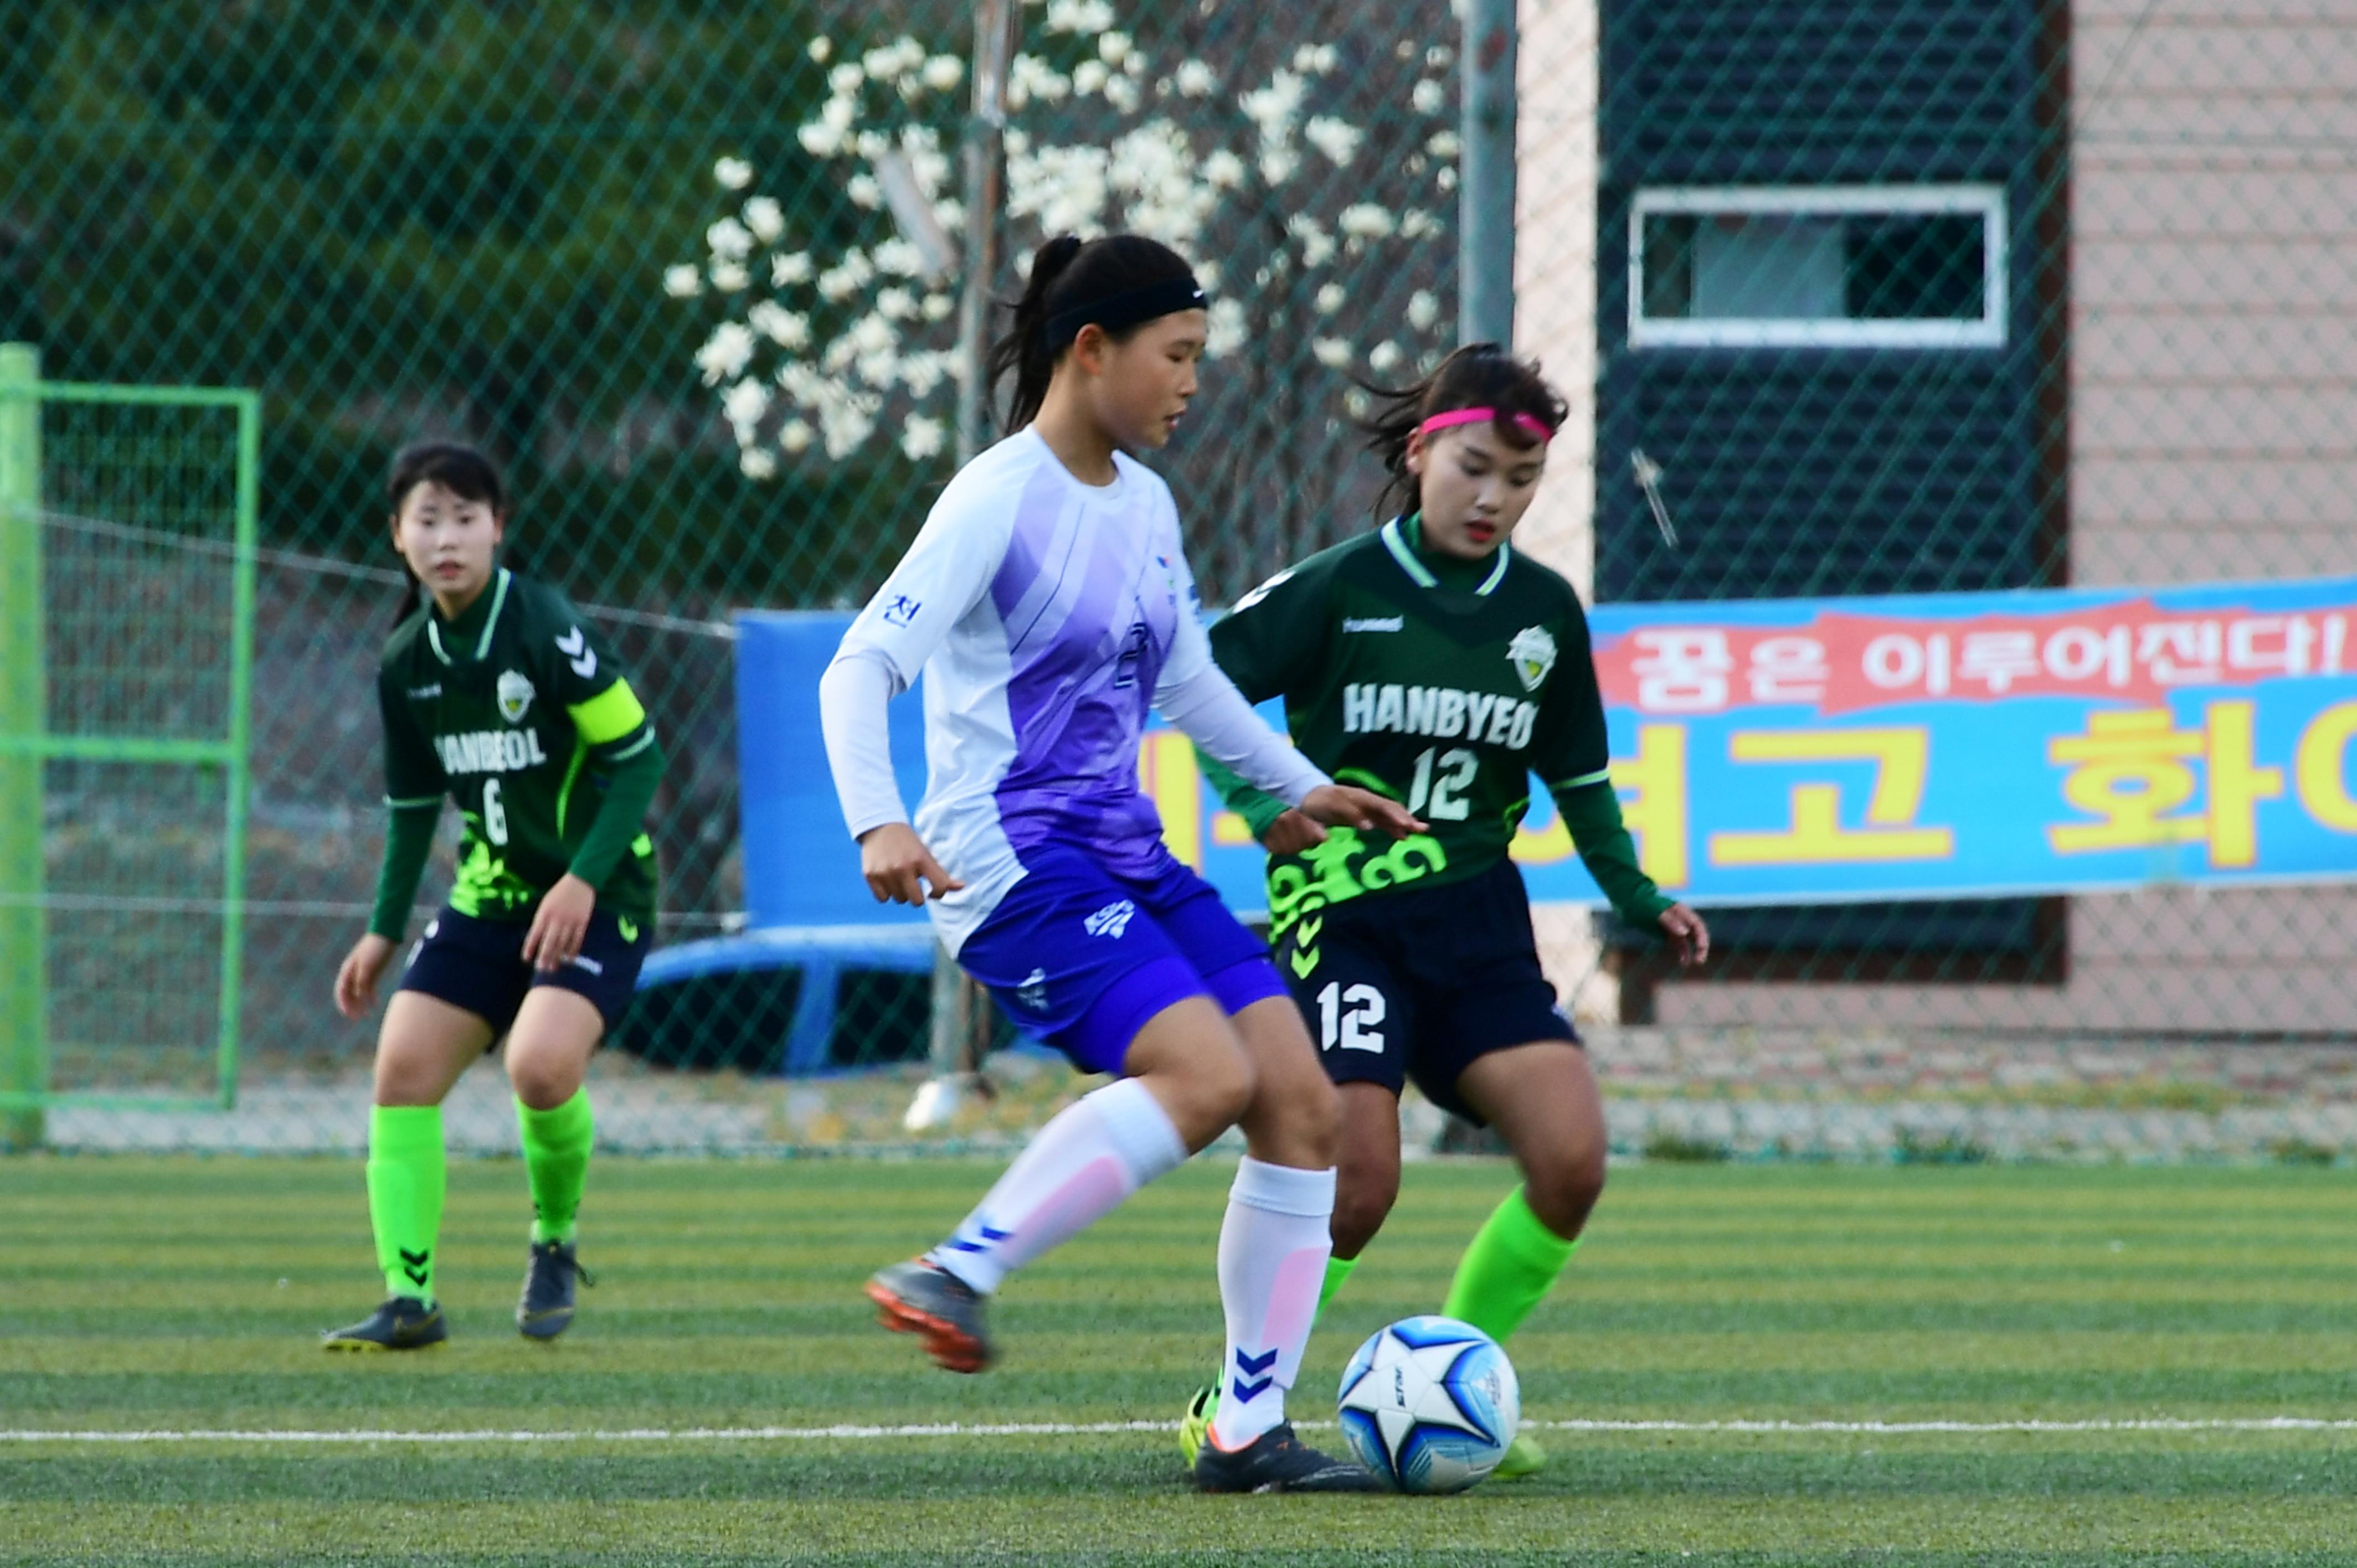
(1047, 602)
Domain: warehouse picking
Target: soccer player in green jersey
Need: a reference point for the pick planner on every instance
(498, 695)
(1429, 662)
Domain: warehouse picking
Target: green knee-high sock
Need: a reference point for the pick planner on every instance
(1337, 1271)
(1508, 1269)
(405, 1178)
(557, 1154)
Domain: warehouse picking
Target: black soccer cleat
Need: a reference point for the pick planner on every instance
(402, 1323)
(545, 1308)
(1277, 1461)
(915, 1297)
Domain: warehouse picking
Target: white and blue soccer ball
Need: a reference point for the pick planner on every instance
(1429, 1405)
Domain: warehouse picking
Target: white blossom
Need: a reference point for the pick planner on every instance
(865, 190)
(1429, 97)
(795, 436)
(897, 304)
(726, 353)
(1196, 80)
(1423, 310)
(1113, 48)
(837, 113)
(743, 404)
(766, 218)
(1444, 145)
(900, 259)
(922, 438)
(939, 307)
(943, 73)
(1224, 170)
(1063, 188)
(1090, 76)
(1316, 245)
(1123, 93)
(821, 50)
(1447, 179)
(734, 172)
(729, 240)
(789, 270)
(1417, 224)
(846, 79)
(1356, 403)
(756, 464)
(1439, 56)
(819, 139)
(1087, 17)
(1228, 328)
(730, 277)
(682, 282)
(1368, 221)
(787, 330)
(1386, 356)
(1317, 59)
(1331, 352)
(1338, 140)
(924, 372)
(1330, 298)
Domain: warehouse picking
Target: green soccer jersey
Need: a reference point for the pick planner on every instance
(1441, 684)
(520, 712)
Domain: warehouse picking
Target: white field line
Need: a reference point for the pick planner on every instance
(849, 1433)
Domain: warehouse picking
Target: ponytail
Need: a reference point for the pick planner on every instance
(1116, 282)
(460, 469)
(1479, 375)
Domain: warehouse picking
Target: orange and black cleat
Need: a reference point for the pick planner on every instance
(915, 1297)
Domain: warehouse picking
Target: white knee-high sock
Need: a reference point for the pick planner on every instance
(1093, 1153)
(1273, 1252)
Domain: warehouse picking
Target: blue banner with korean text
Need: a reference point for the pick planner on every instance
(1811, 751)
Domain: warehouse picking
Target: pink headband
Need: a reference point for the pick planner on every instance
(1529, 422)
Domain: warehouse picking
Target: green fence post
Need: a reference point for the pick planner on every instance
(23, 715)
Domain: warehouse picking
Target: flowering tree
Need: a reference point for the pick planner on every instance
(1298, 215)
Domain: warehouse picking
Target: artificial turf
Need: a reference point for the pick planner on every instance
(178, 1296)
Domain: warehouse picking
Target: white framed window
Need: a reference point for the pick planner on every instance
(1837, 266)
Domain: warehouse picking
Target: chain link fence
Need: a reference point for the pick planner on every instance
(690, 270)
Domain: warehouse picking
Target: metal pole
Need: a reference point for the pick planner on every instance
(1485, 192)
(986, 136)
(24, 718)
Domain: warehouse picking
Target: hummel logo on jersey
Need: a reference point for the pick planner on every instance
(515, 695)
(490, 751)
(578, 653)
(1374, 623)
(901, 610)
(1531, 653)
(425, 694)
(1111, 920)
(1436, 711)
(1033, 991)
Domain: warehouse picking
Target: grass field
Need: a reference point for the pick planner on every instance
(177, 1297)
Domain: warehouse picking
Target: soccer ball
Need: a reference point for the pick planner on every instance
(1429, 1405)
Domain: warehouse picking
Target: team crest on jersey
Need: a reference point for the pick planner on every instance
(515, 695)
(1531, 653)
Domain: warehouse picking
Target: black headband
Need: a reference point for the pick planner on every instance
(1130, 307)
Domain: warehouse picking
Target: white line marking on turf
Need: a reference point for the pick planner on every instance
(1101, 1428)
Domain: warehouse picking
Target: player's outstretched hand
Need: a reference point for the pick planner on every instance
(1345, 806)
(357, 977)
(1689, 938)
(899, 868)
(554, 939)
(1291, 833)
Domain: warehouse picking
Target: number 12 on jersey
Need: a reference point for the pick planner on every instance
(1445, 801)
(1348, 1017)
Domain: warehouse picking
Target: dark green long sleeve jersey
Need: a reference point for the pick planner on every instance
(1441, 684)
(520, 712)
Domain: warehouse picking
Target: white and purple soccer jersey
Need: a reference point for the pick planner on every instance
(1046, 617)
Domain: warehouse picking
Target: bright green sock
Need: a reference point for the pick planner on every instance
(1508, 1269)
(405, 1178)
(1337, 1271)
(557, 1154)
